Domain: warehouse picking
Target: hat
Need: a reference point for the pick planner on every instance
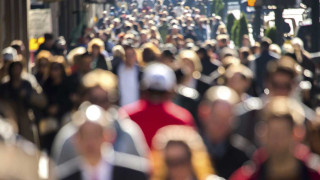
(9, 54)
(158, 77)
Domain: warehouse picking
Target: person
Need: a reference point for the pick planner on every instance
(59, 103)
(100, 87)
(280, 80)
(239, 77)
(22, 99)
(94, 131)
(23, 159)
(154, 110)
(129, 74)
(97, 50)
(180, 154)
(228, 151)
(48, 44)
(41, 69)
(260, 64)
(278, 158)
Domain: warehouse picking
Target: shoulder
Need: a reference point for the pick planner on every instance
(179, 113)
(134, 108)
(242, 145)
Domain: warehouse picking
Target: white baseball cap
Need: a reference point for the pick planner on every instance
(159, 77)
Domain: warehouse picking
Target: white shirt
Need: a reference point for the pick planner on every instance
(103, 171)
(128, 84)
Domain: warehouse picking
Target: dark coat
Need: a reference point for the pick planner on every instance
(119, 173)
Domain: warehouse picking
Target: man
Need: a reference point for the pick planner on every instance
(94, 130)
(279, 158)
(260, 64)
(228, 151)
(100, 88)
(129, 74)
(155, 110)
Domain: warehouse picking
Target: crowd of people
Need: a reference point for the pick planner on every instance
(157, 91)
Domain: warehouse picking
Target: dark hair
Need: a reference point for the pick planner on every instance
(48, 36)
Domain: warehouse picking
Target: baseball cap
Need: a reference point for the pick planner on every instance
(9, 54)
(159, 77)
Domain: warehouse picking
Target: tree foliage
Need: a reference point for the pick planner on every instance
(271, 33)
(239, 29)
(230, 21)
(218, 7)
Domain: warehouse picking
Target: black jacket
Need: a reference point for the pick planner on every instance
(119, 173)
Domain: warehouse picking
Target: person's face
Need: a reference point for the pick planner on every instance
(85, 64)
(16, 71)
(143, 38)
(50, 43)
(99, 97)
(43, 66)
(188, 66)
(279, 137)
(177, 161)
(89, 140)
(280, 85)
(55, 71)
(175, 31)
(238, 82)
(219, 122)
(131, 57)
(95, 50)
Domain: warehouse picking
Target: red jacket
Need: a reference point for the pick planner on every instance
(152, 117)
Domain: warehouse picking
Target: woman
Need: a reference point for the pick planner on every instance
(179, 153)
(97, 50)
(57, 93)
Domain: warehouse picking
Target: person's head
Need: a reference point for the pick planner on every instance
(216, 112)
(96, 47)
(297, 44)
(118, 52)
(131, 56)
(190, 63)
(265, 44)
(84, 64)
(284, 126)
(57, 68)
(179, 153)
(158, 82)
(74, 56)
(15, 70)
(19, 46)
(150, 53)
(246, 41)
(275, 49)
(8, 55)
(49, 40)
(175, 29)
(94, 130)
(100, 88)
(244, 54)
(144, 36)
(222, 41)
(238, 77)
(281, 77)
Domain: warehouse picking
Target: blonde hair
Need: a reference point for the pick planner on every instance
(104, 79)
(192, 56)
(200, 158)
(96, 42)
(118, 51)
